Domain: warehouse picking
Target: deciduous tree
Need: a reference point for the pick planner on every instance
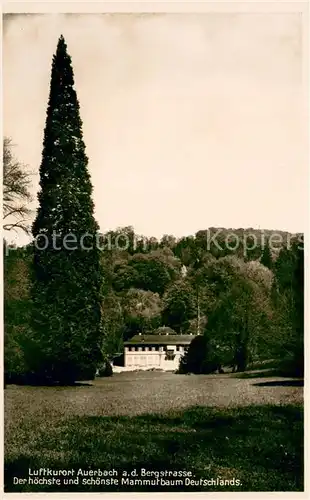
(16, 191)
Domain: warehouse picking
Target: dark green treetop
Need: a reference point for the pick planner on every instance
(266, 258)
(67, 278)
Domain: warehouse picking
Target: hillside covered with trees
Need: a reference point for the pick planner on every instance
(244, 310)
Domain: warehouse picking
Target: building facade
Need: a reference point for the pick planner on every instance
(144, 352)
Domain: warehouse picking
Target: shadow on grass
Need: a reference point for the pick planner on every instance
(74, 384)
(281, 383)
(262, 446)
(275, 372)
(45, 385)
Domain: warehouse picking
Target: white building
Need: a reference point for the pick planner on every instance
(143, 352)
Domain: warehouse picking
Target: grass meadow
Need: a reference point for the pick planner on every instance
(217, 426)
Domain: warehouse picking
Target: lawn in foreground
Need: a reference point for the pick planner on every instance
(261, 445)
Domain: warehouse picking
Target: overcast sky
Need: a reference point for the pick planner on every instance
(190, 121)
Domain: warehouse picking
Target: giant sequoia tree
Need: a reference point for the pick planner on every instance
(66, 288)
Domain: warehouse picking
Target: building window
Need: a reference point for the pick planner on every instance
(170, 354)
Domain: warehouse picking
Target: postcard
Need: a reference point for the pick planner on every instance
(154, 215)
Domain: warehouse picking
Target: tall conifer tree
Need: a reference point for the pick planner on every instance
(266, 258)
(67, 281)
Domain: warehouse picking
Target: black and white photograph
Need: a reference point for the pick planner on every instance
(155, 209)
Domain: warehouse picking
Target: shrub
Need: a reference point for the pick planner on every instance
(105, 370)
(199, 358)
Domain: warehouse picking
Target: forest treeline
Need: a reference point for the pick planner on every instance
(246, 308)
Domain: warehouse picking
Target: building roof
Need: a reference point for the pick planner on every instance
(160, 339)
(164, 330)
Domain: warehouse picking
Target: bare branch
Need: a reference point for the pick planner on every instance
(16, 189)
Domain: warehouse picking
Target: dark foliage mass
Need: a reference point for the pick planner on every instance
(199, 358)
(64, 342)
